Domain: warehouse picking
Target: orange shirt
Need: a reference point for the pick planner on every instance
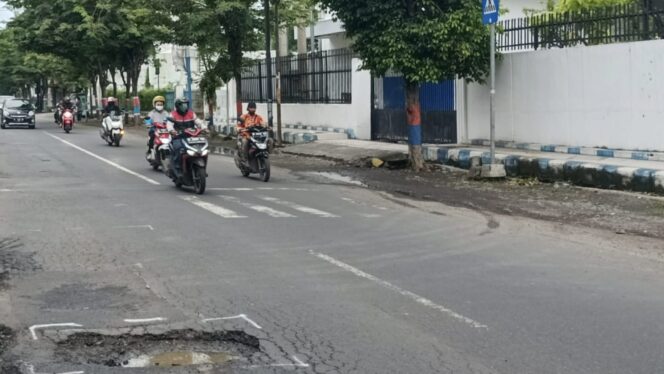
(250, 121)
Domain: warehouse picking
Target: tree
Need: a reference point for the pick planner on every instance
(221, 30)
(424, 40)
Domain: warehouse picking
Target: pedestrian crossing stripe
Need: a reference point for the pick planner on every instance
(490, 7)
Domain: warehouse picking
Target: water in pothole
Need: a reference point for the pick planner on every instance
(170, 359)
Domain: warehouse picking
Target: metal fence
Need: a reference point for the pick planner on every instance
(320, 77)
(642, 20)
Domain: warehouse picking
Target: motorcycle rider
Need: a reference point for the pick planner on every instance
(181, 118)
(157, 115)
(250, 119)
(62, 106)
(111, 107)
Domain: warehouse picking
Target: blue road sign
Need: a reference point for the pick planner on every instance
(490, 11)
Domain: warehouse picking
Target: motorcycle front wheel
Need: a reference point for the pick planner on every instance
(264, 167)
(198, 177)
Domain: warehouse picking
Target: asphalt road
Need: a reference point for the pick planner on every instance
(330, 277)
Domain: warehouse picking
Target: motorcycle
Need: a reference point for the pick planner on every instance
(112, 129)
(159, 155)
(258, 157)
(194, 161)
(67, 120)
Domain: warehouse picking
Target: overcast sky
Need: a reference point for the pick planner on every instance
(5, 14)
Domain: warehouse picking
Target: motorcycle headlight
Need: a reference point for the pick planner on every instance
(191, 153)
(205, 153)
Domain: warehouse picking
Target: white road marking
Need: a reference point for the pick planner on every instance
(300, 363)
(109, 162)
(6, 190)
(73, 372)
(146, 320)
(259, 208)
(245, 189)
(413, 296)
(212, 208)
(240, 316)
(300, 208)
(33, 328)
(149, 227)
(371, 215)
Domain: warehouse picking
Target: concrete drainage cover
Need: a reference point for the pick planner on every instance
(176, 348)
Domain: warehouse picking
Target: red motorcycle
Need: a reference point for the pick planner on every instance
(159, 155)
(68, 120)
(194, 160)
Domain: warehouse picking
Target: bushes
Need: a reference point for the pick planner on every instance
(145, 95)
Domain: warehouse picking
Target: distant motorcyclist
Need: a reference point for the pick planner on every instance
(181, 118)
(111, 106)
(157, 115)
(250, 119)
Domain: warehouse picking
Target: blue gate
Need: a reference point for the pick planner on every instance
(438, 105)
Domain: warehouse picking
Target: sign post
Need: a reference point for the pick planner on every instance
(490, 9)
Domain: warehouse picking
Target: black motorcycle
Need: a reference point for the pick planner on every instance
(193, 161)
(258, 158)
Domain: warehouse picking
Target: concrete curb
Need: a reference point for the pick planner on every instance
(586, 151)
(590, 174)
(288, 136)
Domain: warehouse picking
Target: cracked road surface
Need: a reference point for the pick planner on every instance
(302, 274)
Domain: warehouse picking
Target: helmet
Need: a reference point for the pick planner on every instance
(111, 100)
(182, 105)
(251, 105)
(158, 99)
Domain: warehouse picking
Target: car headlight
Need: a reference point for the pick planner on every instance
(31, 114)
(191, 153)
(5, 112)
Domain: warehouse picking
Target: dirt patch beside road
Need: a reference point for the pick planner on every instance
(616, 211)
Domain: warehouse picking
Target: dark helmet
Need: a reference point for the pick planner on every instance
(182, 105)
(251, 105)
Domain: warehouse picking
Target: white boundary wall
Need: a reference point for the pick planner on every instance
(609, 95)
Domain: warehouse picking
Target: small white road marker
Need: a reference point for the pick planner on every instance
(240, 316)
(212, 208)
(146, 320)
(299, 208)
(33, 329)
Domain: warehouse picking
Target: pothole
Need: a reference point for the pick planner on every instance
(14, 261)
(176, 348)
(170, 359)
(7, 336)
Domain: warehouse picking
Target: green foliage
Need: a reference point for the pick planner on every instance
(425, 40)
(580, 5)
(145, 95)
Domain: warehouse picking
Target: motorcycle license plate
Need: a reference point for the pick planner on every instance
(196, 140)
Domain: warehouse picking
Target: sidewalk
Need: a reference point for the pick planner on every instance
(584, 170)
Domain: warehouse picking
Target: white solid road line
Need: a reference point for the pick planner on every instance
(413, 296)
(300, 208)
(212, 208)
(259, 208)
(109, 162)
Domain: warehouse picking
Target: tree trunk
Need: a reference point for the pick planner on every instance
(114, 81)
(414, 126)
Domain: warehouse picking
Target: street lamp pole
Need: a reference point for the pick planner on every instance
(268, 61)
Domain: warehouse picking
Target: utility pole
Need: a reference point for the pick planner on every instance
(268, 61)
(277, 37)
